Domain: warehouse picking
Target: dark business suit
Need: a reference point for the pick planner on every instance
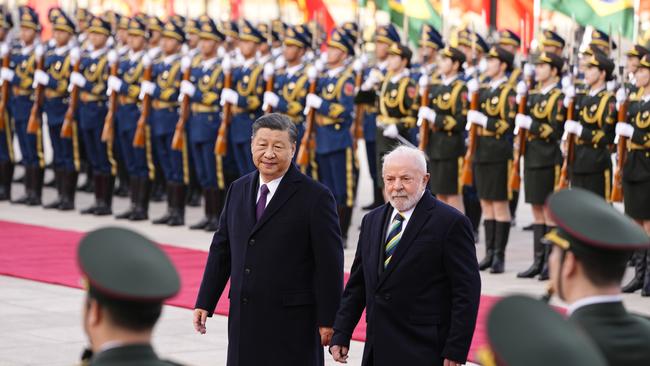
(623, 338)
(136, 354)
(286, 271)
(422, 308)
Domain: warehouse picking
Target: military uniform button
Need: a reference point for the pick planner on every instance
(251, 242)
(387, 297)
(244, 300)
(247, 271)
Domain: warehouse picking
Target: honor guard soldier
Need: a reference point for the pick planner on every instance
(291, 84)
(83, 18)
(20, 75)
(447, 117)
(138, 160)
(231, 29)
(91, 81)
(510, 41)
(203, 88)
(493, 157)
(542, 121)
(636, 171)
(593, 129)
(634, 57)
(384, 38)
(6, 128)
(474, 47)
(602, 42)
(155, 27)
(122, 35)
(279, 32)
(245, 96)
(192, 29)
(552, 42)
(265, 49)
(127, 279)
(333, 104)
(591, 246)
(430, 44)
(164, 92)
(55, 77)
(556, 342)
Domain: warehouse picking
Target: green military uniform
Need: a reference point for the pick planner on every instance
(124, 269)
(596, 232)
(446, 147)
(556, 342)
(398, 106)
(596, 113)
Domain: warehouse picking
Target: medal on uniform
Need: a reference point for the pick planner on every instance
(165, 74)
(494, 100)
(93, 67)
(206, 79)
(292, 85)
(446, 96)
(330, 88)
(57, 65)
(246, 78)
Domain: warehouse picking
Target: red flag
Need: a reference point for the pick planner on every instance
(316, 9)
(42, 7)
(235, 8)
(511, 13)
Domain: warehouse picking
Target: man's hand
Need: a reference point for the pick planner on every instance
(451, 363)
(340, 353)
(326, 334)
(199, 318)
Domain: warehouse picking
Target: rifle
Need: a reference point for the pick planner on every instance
(621, 152)
(467, 176)
(269, 83)
(424, 124)
(515, 176)
(139, 138)
(34, 122)
(108, 133)
(6, 58)
(357, 125)
(221, 147)
(178, 141)
(68, 119)
(305, 144)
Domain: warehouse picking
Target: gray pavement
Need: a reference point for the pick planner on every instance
(40, 324)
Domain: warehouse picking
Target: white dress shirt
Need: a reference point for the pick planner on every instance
(591, 300)
(272, 186)
(407, 216)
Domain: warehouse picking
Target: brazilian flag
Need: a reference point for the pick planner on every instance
(601, 14)
(419, 12)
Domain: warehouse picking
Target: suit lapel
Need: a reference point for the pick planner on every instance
(419, 217)
(288, 186)
(377, 239)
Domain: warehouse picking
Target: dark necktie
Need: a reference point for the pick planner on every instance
(394, 235)
(261, 203)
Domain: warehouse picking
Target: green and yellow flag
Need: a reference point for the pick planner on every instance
(419, 12)
(601, 14)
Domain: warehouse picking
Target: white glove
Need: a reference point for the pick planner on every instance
(569, 93)
(41, 77)
(476, 118)
(426, 113)
(112, 57)
(39, 50)
(187, 88)
(374, 77)
(4, 49)
(472, 86)
(313, 101)
(529, 70)
(357, 65)
(269, 70)
(77, 79)
(312, 74)
(7, 74)
(611, 85)
(279, 63)
(621, 96)
(146, 60)
(522, 88)
(75, 55)
(186, 63)
(624, 129)
(228, 96)
(270, 99)
(573, 127)
(391, 131)
(226, 64)
(522, 121)
(423, 82)
(114, 83)
(146, 88)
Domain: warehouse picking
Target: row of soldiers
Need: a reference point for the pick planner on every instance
(179, 97)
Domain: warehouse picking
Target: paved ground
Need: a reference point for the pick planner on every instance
(40, 323)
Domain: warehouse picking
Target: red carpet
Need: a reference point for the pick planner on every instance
(48, 255)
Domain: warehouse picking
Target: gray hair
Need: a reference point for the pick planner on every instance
(278, 122)
(409, 152)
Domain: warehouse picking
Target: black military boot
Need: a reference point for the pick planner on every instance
(142, 192)
(639, 273)
(501, 234)
(489, 226)
(6, 177)
(538, 253)
(159, 187)
(96, 183)
(28, 180)
(69, 190)
(177, 217)
(207, 209)
(123, 182)
(214, 197)
(89, 184)
(37, 186)
(194, 194)
(378, 200)
(645, 291)
(167, 215)
(58, 184)
(543, 275)
(105, 203)
(133, 183)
